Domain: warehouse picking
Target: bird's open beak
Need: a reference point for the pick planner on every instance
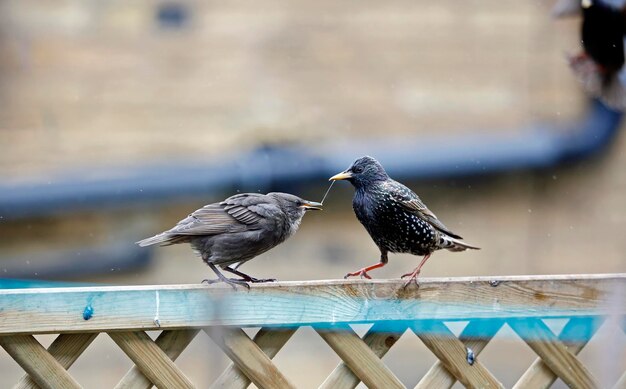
(341, 176)
(312, 205)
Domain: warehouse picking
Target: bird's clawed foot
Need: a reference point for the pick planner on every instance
(248, 278)
(361, 273)
(233, 282)
(412, 278)
(259, 280)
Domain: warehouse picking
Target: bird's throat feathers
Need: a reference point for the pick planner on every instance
(293, 227)
(360, 203)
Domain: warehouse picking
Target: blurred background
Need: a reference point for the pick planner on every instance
(118, 118)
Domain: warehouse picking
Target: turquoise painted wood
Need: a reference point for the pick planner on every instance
(81, 309)
(8, 283)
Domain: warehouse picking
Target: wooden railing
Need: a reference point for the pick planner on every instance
(78, 315)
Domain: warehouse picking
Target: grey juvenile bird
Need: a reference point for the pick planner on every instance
(395, 217)
(232, 232)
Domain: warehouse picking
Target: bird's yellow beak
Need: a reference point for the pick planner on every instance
(312, 205)
(341, 176)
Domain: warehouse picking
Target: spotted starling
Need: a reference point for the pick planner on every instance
(395, 217)
(232, 232)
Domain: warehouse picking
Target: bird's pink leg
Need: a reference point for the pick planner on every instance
(581, 63)
(580, 57)
(415, 272)
(583, 57)
(363, 272)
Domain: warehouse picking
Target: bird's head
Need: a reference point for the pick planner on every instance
(293, 206)
(364, 171)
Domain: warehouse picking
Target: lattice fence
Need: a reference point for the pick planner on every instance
(78, 315)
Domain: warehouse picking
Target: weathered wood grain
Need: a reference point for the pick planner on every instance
(453, 354)
(575, 335)
(476, 335)
(248, 357)
(303, 303)
(172, 343)
(66, 349)
(46, 371)
(270, 341)
(100, 309)
(621, 382)
(380, 338)
(357, 355)
(150, 359)
(554, 353)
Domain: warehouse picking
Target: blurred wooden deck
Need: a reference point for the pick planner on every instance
(90, 83)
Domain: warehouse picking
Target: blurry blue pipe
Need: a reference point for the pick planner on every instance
(404, 157)
(539, 147)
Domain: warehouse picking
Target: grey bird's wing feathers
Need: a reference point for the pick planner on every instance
(237, 213)
(412, 203)
(250, 208)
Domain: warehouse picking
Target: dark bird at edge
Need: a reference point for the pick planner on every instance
(395, 217)
(602, 31)
(232, 232)
(600, 66)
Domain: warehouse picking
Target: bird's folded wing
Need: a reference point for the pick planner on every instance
(411, 202)
(242, 212)
(249, 208)
(252, 208)
(211, 219)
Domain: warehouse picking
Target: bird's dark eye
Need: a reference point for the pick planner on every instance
(357, 169)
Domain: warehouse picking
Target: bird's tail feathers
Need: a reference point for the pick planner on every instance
(162, 239)
(452, 244)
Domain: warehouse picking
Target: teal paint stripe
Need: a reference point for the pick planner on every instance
(8, 283)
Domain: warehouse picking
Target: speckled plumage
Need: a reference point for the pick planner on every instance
(234, 231)
(395, 217)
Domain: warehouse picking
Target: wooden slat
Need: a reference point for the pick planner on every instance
(476, 335)
(359, 357)
(575, 335)
(172, 343)
(270, 341)
(453, 354)
(46, 371)
(380, 338)
(66, 349)
(553, 353)
(248, 357)
(150, 359)
(304, 303)
(621, 382)
(111, 308)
